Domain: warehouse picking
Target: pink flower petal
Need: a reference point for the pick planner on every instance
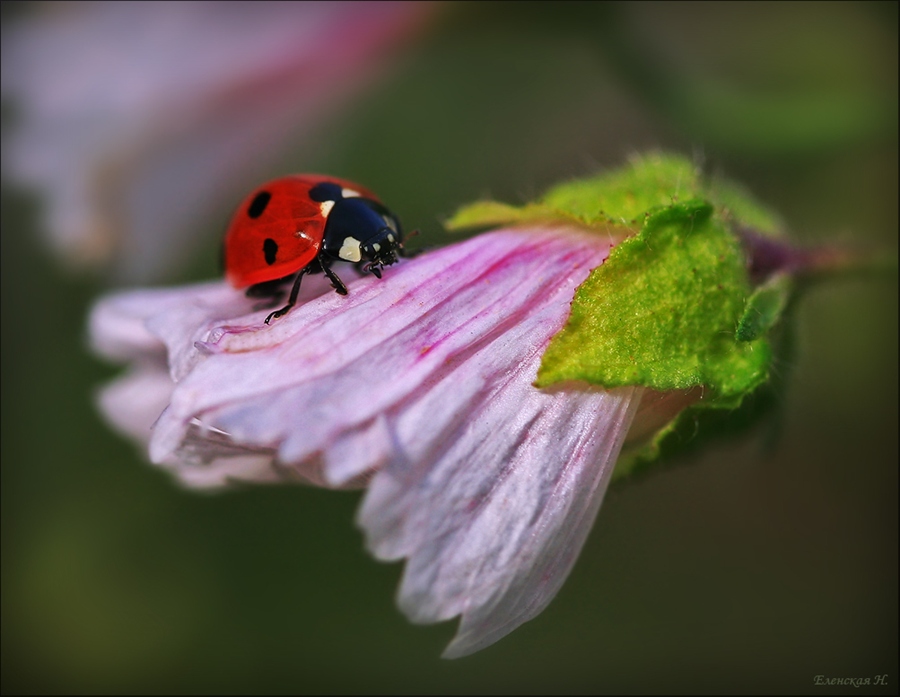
(333, 365)
(133, 402)
(419, 385)
(491, 526)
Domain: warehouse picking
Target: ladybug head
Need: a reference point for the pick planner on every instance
(365, 232)
(382, 248)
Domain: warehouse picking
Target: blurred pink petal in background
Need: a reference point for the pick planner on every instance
(136, 120)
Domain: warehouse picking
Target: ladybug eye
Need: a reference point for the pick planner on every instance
(259, 203)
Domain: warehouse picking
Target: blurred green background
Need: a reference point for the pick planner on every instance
(748, 569)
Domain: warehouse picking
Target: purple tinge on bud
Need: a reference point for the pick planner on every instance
(418, 386)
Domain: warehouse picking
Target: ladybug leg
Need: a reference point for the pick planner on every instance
(292, 300)
(367, 267)
(338, 284)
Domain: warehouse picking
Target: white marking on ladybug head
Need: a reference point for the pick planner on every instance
(349, 193)
(326, 207)
(390, 237)
(376, 247)
(350, 250)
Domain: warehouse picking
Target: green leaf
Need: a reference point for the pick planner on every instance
(662, 313)
(625, 195)
(737, 205)
(483, 214)
(618, 201)
(764, 308)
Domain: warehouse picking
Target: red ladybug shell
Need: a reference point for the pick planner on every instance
(279, 215)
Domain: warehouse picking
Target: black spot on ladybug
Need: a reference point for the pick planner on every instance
(270, 249)
(258, 205)
(326, 191)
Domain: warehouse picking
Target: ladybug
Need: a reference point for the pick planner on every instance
(301, 224)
